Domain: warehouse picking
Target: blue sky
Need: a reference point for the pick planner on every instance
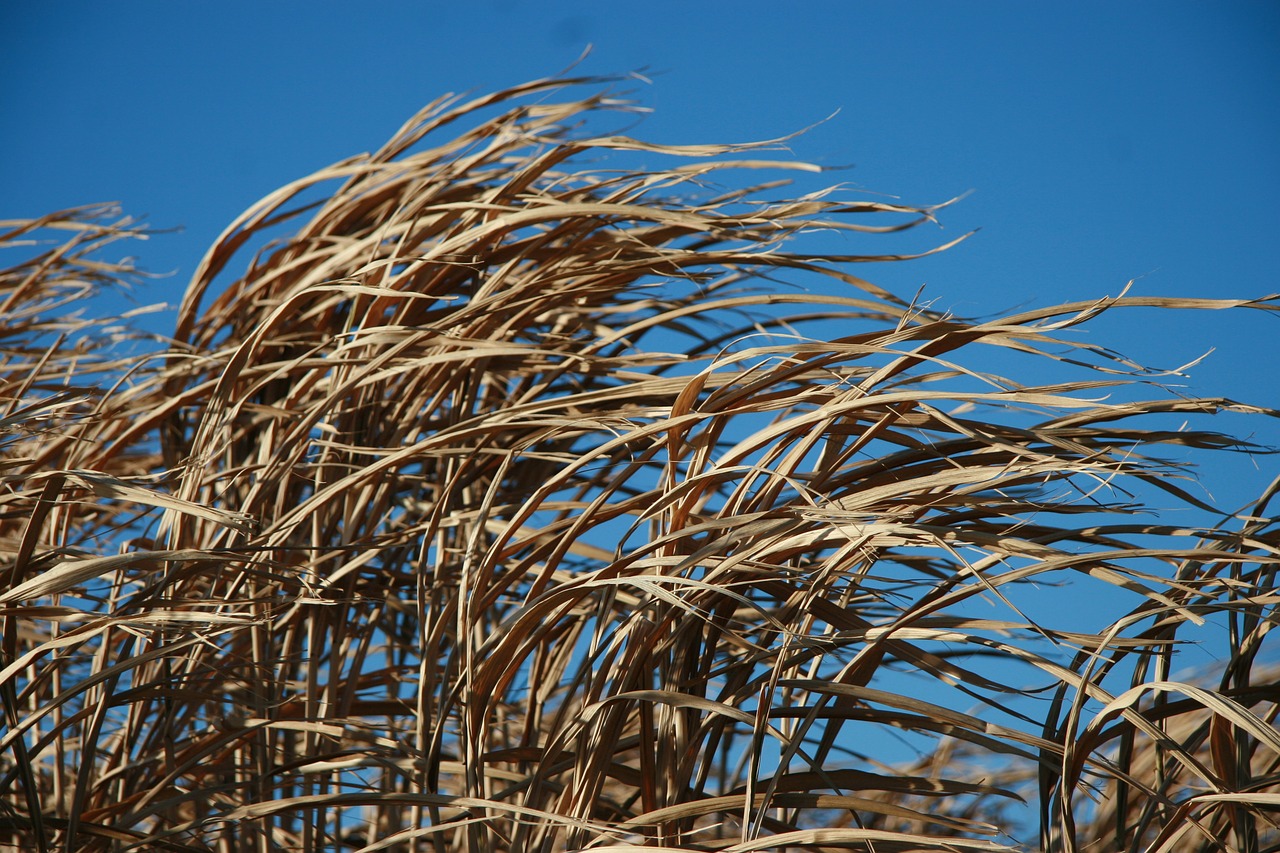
(1101, 142)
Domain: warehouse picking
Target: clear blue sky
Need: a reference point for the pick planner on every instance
(1102, 141)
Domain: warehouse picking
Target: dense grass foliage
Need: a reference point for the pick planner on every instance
(504, 491)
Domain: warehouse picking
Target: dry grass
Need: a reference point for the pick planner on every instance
(516, 501)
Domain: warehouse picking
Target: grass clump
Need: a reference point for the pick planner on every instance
(490, 497)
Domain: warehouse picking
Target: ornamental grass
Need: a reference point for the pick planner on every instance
(524, 486)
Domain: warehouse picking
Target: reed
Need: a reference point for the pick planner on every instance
(502, 491)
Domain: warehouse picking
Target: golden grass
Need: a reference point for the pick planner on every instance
(511, 500)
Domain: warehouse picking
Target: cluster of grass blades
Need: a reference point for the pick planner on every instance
(490, 495)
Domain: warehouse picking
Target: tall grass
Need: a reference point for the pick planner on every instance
(493, 494)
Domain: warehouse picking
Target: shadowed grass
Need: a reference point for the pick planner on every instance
(512, 501)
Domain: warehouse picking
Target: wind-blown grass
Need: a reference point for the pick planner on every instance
(512, 501)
